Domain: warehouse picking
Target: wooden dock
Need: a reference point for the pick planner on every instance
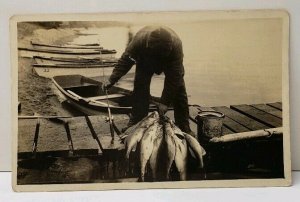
(72, 136)
(90, 136)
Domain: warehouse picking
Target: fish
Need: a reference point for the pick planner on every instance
(142, 123)
(158, 138)
(147, 144)
(196, 148)
(171, 148)
(136, 135)
(176, 130)
(181, 156)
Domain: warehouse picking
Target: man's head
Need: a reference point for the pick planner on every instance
(160, 43)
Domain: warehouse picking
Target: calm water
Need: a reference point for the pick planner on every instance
(229, 62)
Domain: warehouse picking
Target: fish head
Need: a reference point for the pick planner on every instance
(154, 115)
(169, 129)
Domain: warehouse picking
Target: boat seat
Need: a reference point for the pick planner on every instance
(74, 94)
(102, 97)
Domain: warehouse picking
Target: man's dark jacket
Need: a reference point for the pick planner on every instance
(168, 59)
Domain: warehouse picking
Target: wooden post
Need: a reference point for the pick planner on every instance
(36, 135)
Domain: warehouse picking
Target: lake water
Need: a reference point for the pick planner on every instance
(230, 62)
(226, 63)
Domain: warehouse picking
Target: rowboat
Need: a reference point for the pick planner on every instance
(67, 46)
(45, 67)
(73, 65)
(79, 60)
(66, 53)
(91, 99)
(50, 70)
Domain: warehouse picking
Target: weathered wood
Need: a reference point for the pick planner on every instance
(248, 135)
(241, 118)
(228, 124)
(83, 141)
(277, 105)
(26, 131)
(268, 109)
(53, 138)
(101, 127)
(231, 126)
(258, 115)
(226, 130)
(205, 109)
(105, 140)
(196, 109)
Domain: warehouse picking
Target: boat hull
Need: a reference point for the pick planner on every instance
(67, 46)
(89, 55)
(90, 106)
(81, 61)
(50, 72)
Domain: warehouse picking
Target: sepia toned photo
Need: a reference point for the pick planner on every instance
(150, 100)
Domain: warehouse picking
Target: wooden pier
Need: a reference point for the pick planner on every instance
(51, 137)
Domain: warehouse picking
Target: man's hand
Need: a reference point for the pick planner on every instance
(106, 86)
(162, 109)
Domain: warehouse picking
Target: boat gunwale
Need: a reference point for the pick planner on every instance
(77, 60)
(75, 66)
(90, 102)
(102, 52)
(67, 46)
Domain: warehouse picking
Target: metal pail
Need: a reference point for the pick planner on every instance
(210, 124)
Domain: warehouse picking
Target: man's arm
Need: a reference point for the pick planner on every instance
(122, 67)
(127, 59)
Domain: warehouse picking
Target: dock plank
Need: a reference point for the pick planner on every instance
(52, 138)
(233, 125)
(101, 126)
(26, 132)
(268, 109)
(230, 124)
(83, 141)
(277, 105)
(194, 110)
(242, 119)
(102, 130)
(205, 109)
(105, 140)
(258, 115)
(226, 130)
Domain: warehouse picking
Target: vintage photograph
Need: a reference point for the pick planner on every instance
(150, 100)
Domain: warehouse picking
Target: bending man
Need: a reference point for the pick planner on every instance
(155, 50)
